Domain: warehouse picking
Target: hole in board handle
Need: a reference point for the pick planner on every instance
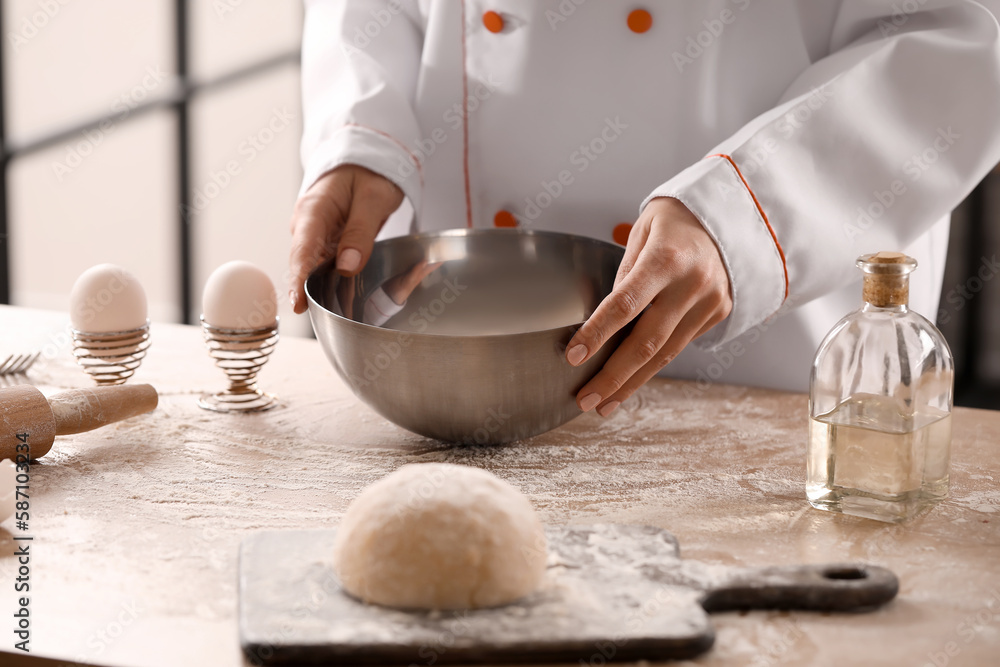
(846, 573)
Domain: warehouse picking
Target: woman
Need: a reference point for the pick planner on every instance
(765, 143)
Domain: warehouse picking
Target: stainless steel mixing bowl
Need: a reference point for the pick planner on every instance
(476, 353)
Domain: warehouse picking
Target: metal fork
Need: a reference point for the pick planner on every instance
(18, 363)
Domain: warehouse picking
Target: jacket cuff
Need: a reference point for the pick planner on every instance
(369, 148)
(716, 192)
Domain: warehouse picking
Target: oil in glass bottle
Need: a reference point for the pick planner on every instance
(880, 400)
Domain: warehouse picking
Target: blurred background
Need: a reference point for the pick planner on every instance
(159, 135)
(162, 135)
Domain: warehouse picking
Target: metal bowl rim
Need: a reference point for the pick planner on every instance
(325, 266)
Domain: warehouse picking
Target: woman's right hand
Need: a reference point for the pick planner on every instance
(339, 215)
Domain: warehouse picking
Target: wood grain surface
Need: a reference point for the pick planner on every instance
(137, 526)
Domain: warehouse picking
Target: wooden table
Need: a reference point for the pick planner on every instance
(136, 527)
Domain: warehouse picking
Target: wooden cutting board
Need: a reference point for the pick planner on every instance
(611, 592)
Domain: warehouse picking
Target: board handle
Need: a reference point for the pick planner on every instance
(831, 587)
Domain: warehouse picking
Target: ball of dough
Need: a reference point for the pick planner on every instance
(440, 536)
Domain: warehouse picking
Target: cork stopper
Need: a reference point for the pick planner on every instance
(887, 278)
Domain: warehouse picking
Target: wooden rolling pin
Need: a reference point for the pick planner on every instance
(25, 410)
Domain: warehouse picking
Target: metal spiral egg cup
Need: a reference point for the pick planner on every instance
(241, 354)
(111, 358)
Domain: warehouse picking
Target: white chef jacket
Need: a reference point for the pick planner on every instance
(801, 133)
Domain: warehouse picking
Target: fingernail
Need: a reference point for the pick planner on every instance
(294, 299)
(349, 260)
(589, 402)
(608, 408)
(576, 355)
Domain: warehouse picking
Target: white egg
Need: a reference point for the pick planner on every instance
(107, 298)
(240, 296)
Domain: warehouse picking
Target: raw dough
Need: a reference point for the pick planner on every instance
(440, 536)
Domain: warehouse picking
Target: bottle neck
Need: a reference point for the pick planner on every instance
(869, 308)
(886, 292)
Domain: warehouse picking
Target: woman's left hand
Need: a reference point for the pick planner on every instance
(672, 265)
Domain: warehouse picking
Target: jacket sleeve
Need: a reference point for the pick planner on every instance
(360, 60)
(868, 148)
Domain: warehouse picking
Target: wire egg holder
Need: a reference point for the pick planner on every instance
(111, 358)
(240, 353)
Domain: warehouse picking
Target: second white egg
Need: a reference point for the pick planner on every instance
(239, 296)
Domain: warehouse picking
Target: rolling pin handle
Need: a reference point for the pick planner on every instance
(80, 410)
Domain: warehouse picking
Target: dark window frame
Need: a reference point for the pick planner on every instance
(178, 100)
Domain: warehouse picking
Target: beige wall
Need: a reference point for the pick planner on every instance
(110, 196)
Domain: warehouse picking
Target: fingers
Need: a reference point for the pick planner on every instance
(635, 291)
(635, 362)
(686, 331)
(636, 242)
(672, 265)
(416, 275)
(315, 225)
(373, 199)
(429, 268)
(341, 213)
(640, 347)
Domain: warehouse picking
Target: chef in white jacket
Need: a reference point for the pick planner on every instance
(745, 151)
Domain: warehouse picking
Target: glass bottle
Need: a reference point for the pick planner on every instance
(880, 400)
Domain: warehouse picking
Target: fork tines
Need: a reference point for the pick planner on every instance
(18, 363)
